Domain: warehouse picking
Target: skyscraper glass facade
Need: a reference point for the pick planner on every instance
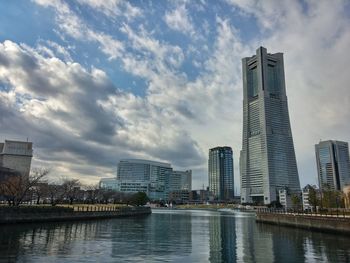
(220, 173)
(332, 158)
(267, 160)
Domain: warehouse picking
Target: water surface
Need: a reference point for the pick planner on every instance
(170, 236)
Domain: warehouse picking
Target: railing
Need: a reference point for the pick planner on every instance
(330, 214)
(65, 209)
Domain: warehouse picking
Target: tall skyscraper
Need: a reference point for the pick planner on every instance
(267, 161)
(333, 164)
(220, 173)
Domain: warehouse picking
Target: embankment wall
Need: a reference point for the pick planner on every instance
(17, 216)
(325, 224)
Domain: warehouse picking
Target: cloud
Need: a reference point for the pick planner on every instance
(70, 24)
(77, 117)
(113, 8)
(80, 113)
(179, 20)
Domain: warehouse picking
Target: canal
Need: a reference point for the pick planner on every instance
(170, 236)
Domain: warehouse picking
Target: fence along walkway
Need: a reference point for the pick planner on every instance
(343, 213)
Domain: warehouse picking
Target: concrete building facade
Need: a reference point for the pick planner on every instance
(220, 173)
(16, 155)
(333, 166)
(267, 159)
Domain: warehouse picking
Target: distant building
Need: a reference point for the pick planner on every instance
(285, 198)
(109, 183)
(6, 173)
(150, 172)
(179, 195)
(333, 166)
(306, 197)
(178, 181)
(267, 160)
(133, 186)
(16, 155)
(220, 173)
(156, 179)
(200, 196)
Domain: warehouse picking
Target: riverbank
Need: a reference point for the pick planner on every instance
(15, 215)
(340, 225)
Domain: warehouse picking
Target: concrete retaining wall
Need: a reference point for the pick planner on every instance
(325, 224)
(54, 216)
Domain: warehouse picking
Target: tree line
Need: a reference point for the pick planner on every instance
(35, 189)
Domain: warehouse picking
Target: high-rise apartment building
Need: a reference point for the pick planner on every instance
(333, 166)
(16, 155)
(220, 173)
(267, 160)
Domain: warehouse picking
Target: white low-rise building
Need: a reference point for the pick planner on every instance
(285, 198)
(16, 155)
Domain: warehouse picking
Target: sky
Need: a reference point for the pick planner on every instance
(91, 82)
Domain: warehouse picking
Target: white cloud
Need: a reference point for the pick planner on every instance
(69, 23)
(179, 20)
(113, 8)
(178, 119)
(71, 111)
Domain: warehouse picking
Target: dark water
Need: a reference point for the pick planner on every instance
(170, 236)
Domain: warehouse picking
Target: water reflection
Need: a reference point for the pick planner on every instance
(222, 238)
(172, 236)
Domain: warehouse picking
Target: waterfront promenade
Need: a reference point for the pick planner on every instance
(334, 223)
(33, 214)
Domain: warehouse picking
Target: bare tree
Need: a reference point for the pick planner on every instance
(71, 188)
(40, 190)
(55, 193)
(92, 192)
(17, 187)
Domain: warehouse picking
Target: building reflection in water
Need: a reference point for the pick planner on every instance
(166, 235)
(42, 240)
(239, 239)
(252, 246)
(174, 236)
(222, 239)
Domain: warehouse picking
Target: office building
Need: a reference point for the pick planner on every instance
(16, 155)
(267, 159)
(156, 179)
(150, 172)
(333, 166)
(220, 173)
(109, 183)
(179, 180)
